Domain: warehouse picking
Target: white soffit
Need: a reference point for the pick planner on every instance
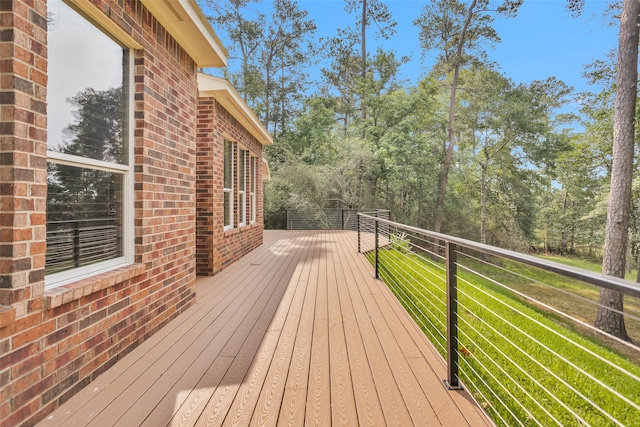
(225, 94)
(186, 23)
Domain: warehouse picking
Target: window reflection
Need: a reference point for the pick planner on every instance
(86, 105)
(84, 212)
(87, 96)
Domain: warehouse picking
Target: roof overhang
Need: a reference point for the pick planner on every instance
(230, 99)
(184, 20)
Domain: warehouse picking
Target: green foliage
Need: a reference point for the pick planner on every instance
(274, 52)
(519, 177)
(400, 242)
(96, 133)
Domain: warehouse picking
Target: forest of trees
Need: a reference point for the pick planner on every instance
(465, 151)
(519, 174)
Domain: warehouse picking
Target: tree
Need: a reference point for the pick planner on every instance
(457, 31)
(275, 51)
(610, 317)
(247, 36)
(284, 52)
(378, 12)
(342, 74)
(77, 193)
(508, 138)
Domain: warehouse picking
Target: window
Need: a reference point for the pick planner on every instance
(252, 189)
(228, 184)
(242, 188)
(89, 179)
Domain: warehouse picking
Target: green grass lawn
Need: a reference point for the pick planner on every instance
(514, 358)
(586, 264)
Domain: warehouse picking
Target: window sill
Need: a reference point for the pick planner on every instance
(75, 290)
(250, 226)
(231, 231)
(240, 229)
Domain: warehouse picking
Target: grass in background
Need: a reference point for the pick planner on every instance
(587, 264)
(510, 351)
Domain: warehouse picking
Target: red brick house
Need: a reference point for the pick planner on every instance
(227, 129)
(123, 174)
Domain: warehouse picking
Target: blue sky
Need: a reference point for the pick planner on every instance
(543, 40)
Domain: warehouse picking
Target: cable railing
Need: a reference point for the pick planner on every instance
(75, 243)
(328, 218)
(515, 330)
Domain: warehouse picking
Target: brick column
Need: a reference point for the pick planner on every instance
(23, 157)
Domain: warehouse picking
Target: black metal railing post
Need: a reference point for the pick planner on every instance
(342, 218)
(76, 244)
(452, 317)
(375, 228)
(359, 248)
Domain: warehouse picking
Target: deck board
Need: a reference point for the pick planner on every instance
(298, 332)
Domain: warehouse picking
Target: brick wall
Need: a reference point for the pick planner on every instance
(217, 248)
(54, 343)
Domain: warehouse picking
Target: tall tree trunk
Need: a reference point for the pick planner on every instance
(483, 204)
(283, 103)
(443, 178)
(617, 228)
(267, 98)
(563, 234)
(363, 54)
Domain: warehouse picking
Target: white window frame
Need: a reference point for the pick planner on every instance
(243, 155)
(253, 185)
(227, 190)
(128, 236)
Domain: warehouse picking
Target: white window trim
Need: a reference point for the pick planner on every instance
(243, 154)
(128, 235)
(253, 186)
(228, 190)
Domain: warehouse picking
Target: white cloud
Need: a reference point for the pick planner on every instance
(80, 56)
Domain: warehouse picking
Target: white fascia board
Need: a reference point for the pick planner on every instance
(186, 23)
(224, 92)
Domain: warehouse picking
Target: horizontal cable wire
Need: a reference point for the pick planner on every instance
(488, 371)
(558, 334)
(435, 327)
(427, 242)
(496, 348)
(435, 341)
(431, 282)
(492, 392)
(554, 288)
(411, 281)
(502, 386)
(586, 399)
(525, 353)
(423, 287)
(484, 398)
(430, 261)
(442, 312)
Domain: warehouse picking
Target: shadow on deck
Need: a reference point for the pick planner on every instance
(297, 332)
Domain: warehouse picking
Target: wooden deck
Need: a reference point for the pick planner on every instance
(296, 333)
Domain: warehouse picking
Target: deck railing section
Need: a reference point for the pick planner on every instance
(328, 218)
(516, 330)
(76, 243)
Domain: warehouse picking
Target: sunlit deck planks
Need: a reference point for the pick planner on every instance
(297, 332)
